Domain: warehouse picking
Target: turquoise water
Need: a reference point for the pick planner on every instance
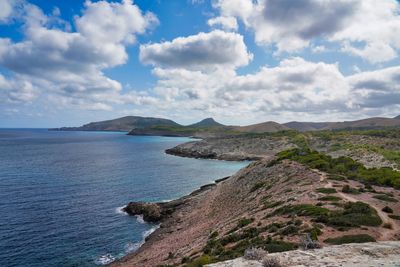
(61, 193)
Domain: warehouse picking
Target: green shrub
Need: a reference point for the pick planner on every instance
(200, 261)
(395, 217)
(387, 209)
(361, 238)
(302, 210)
(354, 214)
(385, 198)
(273, 204)
(213, 235)
(329, 198)
(343, 166)
(326, 190)
(257, 186)
(244, 222)
(289, 230)
(273, 246)
(348, 190)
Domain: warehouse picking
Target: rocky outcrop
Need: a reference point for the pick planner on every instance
(234, 148)
(349, 255)
(152, 212)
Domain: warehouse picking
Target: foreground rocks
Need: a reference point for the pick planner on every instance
(350, 255)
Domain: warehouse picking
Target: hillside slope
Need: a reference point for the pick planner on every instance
(267, 204)
(121, 124)
(269, 126)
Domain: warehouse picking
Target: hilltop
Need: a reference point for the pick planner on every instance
(208, 122)
(123, 124)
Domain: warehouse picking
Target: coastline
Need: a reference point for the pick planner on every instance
(255, 194)
(170, 206)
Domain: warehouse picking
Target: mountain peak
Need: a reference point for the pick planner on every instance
(207, 122)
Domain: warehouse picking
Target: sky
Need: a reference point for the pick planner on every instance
(66, 63)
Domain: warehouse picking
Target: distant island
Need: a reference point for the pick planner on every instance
(136, 125)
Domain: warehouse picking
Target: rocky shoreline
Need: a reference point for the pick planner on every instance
(253, 194)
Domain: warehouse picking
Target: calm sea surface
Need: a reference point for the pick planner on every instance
(61, 193)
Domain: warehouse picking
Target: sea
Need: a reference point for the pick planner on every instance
(61, 193)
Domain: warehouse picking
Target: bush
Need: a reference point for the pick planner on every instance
(395, 217)
(244, 221)
(385, 198)
(200, 261)
(289, 230)
(302, 210)
(388, 225)
(361, 238)
(329, 198)
(348, 190)
(213, 235)
(343, 166)
(257, 186)
(326, 190)
(273, 246)
(387, 209)
(354, 214)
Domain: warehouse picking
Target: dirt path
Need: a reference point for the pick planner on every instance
(386, 234)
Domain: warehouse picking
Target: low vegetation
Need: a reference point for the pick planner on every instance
(385, 198)
(354, 214)
(343, 166)
(329, 198)
(326, 190)
(361, 238)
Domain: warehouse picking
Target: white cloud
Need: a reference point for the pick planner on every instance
(69, 64)
(6, 9)
(295, 85)
(377, 89)
(296, 89)
(293, 25)
(226, 23)
(200, 51)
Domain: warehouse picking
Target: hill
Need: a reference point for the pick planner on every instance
(306, 126)
(123, 124)
(208, 122)
(265, 127)
(369, 123)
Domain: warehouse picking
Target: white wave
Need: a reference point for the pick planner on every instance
(132, 246)
(139, 219)
(166, 200)
(120, 210)
(150, 231)
(104, 259)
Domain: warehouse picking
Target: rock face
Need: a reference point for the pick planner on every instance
(151, 211)
(232, 148)
(349, 255)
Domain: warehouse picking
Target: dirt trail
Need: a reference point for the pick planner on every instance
(386, 234)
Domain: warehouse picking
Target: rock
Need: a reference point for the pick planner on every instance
(151, 211)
